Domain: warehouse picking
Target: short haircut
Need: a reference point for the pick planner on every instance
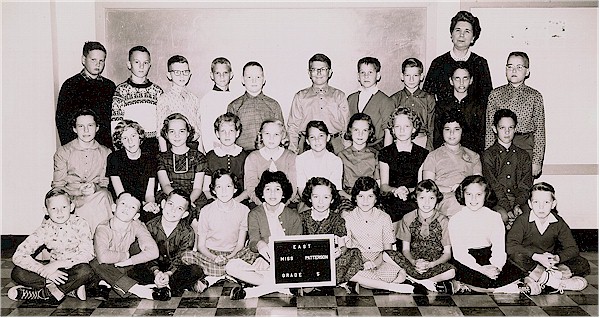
(91, 46)
(182, 193)
(426, 185)
(120, 128)
(252, 63)
(55, 192)
(412, 62)
(520, 54)
(176, 59)
(502, 113)
(284, 137)
(219, 60)
(217, 175)
(165, 128)
(460, 191)
(228, 117)
(369, 61)
(84, 112)
(320, 125)
(412, 116)
(356, 117)
(365, 184)
(543, 186)
(319, 57)
(450, 116)
(466, 16)
(124, 193)
(274, 176)
(460, 65)
(138, 48)
(316, 181)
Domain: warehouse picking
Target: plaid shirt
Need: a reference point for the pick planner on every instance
(172, 247)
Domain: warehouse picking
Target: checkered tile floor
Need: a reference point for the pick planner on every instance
(215, 302)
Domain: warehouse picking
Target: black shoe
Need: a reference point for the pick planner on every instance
(237, 293)
(295, 291)
(444, 287)
(163, 294)
(353, 288)
(100, 293)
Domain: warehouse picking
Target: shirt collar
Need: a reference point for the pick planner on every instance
(371, 90)
(219, 151)
(322, 90)
(216, 88)
(88, 78)
(541, 225)
(319, 216)
(464, 58)
(247, 95)
(77, 146)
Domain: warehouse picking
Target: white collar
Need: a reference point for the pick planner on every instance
(464, 58)
(263, 153)
(541, 225)
(219, 151)
(319, 216)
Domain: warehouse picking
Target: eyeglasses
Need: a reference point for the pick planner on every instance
(178, 72)
(518, 67)
(318, 70)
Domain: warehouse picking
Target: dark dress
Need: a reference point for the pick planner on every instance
(473, 110)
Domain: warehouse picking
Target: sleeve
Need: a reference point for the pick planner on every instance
(117, 109)
(22, 256)
(489, 172)
(432, 79)
(231, 108)
(276, 111)
(161, 162)
(85, 251)
(111, 165)
(185, 243)
(477, 164)
(148, 247)
(295, 224)
(294, 122)
(539, 134)
(104, 254)
(497, 238)
(61, 168)
(525, 181)
(492, 107)
(516, 236)
(64, 110)
(429, 164)
(404, 229)
(344, 110)
(340, 227)
(459, 239)
(102, 179)
(388, 236)
(485, 79)
(301, 176)
(201, 162)
(430, 121)
(251, 176)
(290, 163)
(253, 230)
(338, 171)
(567, 245)
(445, 234)
(162, 108)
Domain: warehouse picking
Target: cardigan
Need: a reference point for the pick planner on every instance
(379, 107)
(258, 225)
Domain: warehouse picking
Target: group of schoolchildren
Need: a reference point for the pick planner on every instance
(418, 198)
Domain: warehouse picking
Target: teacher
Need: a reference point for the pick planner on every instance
(464, 31)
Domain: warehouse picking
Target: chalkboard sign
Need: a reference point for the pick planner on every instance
(303, 260)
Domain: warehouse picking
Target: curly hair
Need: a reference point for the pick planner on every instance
(316, 181)
(120, 128)
(228, 117)
(278, 177)
(460, 191)
(365, 184)
(284, 136)
(221, 173)
(468, 17)
(356, 117)
(426, 185)
(412, 116)
(321, 127)
(165, 129)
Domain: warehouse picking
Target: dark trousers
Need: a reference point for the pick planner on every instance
(78, 275)
(183, 278)
(578, 265)
(467, 275)
(117, 277)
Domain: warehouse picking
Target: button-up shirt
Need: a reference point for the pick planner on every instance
(327, 104)
(358, 163)
(508, 172)
(528, 104)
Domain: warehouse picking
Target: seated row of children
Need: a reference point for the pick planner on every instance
(158, 260)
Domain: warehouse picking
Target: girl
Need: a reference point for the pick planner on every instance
(271, 156)
(370, 230)
(479, 251)
(181, 167)
(449, 164)
(399, 163)
(322, 217)
(270, 219)
(80, 168)
(359, 160)
(132, 170)
(318, 161)
(425, 240)
(222, 228)
(229, 155)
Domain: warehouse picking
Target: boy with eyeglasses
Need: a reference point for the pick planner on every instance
(179, 100)
(318, 102)
(137, 97)
(527, 103)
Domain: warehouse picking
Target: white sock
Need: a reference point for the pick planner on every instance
(213, 279)
(430, 285)
(142, 291)
(401, 288)
(103, 283)
(512, 288)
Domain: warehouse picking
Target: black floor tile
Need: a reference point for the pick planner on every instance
(585, 299)
(512, 300)
(434, 300)
(356, 301)
(399, 311)
(154, 312)
(38, 304)
(199, 302)
(235, 312)
(565, 311)
(73, 312)
(120, 303)
(481, 311)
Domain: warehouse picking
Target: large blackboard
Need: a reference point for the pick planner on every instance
(281, 39)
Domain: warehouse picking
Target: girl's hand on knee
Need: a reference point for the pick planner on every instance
(88, 189)
(58, 277)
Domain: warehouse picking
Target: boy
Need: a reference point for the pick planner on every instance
(87, 89)
(473, 109)
(69, 241)
(371, 101)
(253, 107)
(541, 243)
(507, 169)
(215, 102)
(112, 242)
(136, 98)
(527, 103)
(421, 102)
(174, 240)
(80, 168)
(318, 102)
(179, 100)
